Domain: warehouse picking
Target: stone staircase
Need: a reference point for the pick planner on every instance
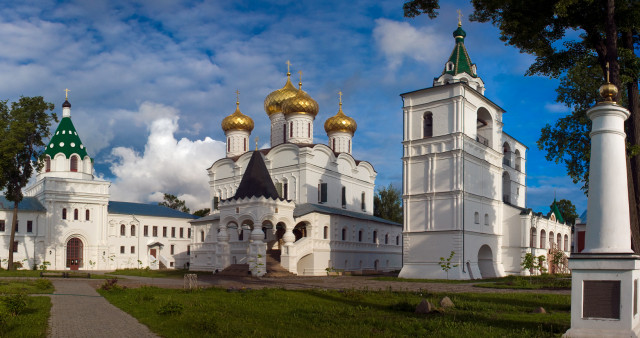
(237, 270)
(274, 269)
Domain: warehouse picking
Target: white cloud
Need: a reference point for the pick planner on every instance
(557, 108)
(399, 40)
(167, 165)
(541, 191)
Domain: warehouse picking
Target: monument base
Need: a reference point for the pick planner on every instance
(604, 295)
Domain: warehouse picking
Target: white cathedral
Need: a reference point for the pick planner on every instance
(464, 182)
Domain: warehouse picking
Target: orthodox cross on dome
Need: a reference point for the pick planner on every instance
(288, 68)
(257, 138)
(340, 96)
(237, 97)
(66, 93)
(300, 83)
(459, 18)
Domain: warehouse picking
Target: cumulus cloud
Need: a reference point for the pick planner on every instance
(399, 40)
(542, 188)
(557, 107)
(166, 165)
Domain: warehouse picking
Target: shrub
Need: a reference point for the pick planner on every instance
(111, 284)
(43, 284)
(171, 308)
(15, 304)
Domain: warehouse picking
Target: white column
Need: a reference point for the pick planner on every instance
(608, 228)
(223, 252)
(277, 129)
(257, 252)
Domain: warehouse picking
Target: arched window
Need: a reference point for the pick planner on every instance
(47, 163)
(202, 236)
(228, 144)
(476, 218)
(506, 150)
(291, 129)
(398, 240)
(64, 213)
(449, 66)
(559, 241)
(309, 130)
(86, 215)
(75, 214)
(428, 125)
(566, 243)
(360, 236)
(284, 132)
(375, 237)
(334, 144)
(518, 160)
(245, 144)
(551, 240)
(74, 163)
(506, 188)
(133, 230)
(543, 239)
(486, 219)
(123, 229)
(344, 234)
(386, 239)
(532, 240)
(325, 232)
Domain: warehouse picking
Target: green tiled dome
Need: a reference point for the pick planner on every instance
(459, 56)
(66, 140)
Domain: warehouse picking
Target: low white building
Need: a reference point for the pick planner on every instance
(465, 182)
(67, 219)
(307, 206)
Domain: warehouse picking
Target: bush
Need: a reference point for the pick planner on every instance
(171, 308)
(43, 284)
(111, 285)
(15, 304)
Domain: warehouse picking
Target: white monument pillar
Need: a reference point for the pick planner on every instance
(604, 290)
(257, 252)
(223, 250)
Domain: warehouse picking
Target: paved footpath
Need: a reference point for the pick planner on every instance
(79, 311)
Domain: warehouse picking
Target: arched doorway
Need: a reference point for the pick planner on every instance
(74, 253)
(300, 231)
(485, 262)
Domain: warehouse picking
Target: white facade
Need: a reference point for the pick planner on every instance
(464, 183)
(66, 218)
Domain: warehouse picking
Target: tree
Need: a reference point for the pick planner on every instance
(172, 201)
(445, 263)
(202, 212)
(24, 127)
(387, 204)
(609, 35)
(567, 210)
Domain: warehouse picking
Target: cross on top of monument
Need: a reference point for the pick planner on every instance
(66, 93)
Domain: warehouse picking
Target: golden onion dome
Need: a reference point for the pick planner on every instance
(237, 121)
(273, 102)
(340, 122)
(301, 103)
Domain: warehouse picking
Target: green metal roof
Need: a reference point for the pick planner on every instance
(307, 208)
(130, 208)
(66, 140)
(556, 211)
(459, 56)
(27, 204)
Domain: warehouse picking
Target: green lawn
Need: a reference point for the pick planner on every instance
(167, 273)
(315, 313)
(546, 281)
(32, 317)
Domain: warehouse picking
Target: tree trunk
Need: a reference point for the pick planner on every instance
(13, 235)
(633, 138)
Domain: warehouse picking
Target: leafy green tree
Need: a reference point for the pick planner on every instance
(567, 210)
(202, 212)
(609, 34)
(387, 204)
(24, 127)
(445, 263)
(172, 201)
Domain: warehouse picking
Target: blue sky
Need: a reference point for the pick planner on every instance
(151, 81)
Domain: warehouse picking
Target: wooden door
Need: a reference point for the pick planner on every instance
(153, 253)
(74, 253)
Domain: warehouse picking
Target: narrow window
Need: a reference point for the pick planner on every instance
(486, 219)
(241, 236)
(202, 236)
(189, 233)
(428, 125)
(122, 249)
(15, 246)
(29, 226)
(87, 213)
(397, 240)
(64, 213)
(17, 226)
(476, 218)
(334, 144)
(74, 163)
(216, 201)
(47, 164)
(362, 202)
(285, 191)
(133, 249)
(309, 130)
(75, 214)
(386, 239)
(375, 237)
(2, 225)
(164, 232)
(323, 193)
(228, 144)
(279, 189)
(122, 230)
(344, 197)
(291, 130)
(284, 132)
(181, 232)
(155, 231)
(360, 236)
(173, 232)
(172, 249)
(146, 231)
(245, 144)
(188, 250)
(344, 234)
(325, 232)
(133, 230)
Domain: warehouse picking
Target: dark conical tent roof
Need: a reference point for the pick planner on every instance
(256, 180)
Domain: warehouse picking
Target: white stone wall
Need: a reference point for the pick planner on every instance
(340, 142)
(278, 129)
(299, 128)
(237, 142)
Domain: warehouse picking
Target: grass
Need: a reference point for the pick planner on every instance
(19, 273)
(545, 281)
(446, 281)
(32, 319)
(29, 286)
(166, 273)
(349, 313)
